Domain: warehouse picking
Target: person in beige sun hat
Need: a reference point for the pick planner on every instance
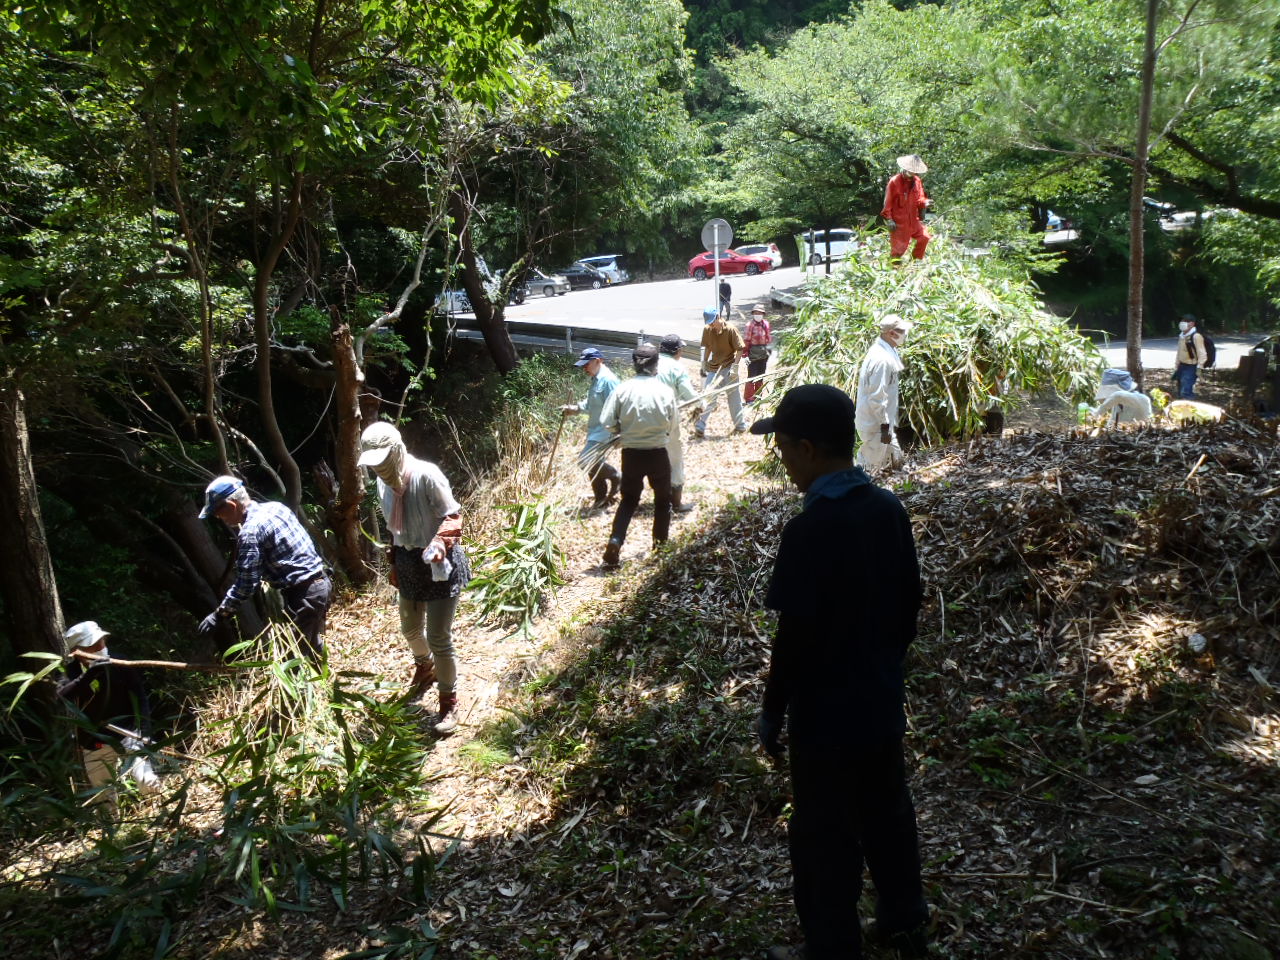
(904, 205)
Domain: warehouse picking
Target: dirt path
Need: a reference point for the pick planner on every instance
(482, 800)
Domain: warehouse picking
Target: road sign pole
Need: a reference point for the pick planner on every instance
(715, 252)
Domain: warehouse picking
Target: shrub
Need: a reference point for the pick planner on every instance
(981, 336)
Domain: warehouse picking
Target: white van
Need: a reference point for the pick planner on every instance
(842, 245)
(610, 264)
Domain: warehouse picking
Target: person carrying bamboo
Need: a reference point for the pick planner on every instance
(114, 701)
(429, 567)
(591, 458)
(722, 349)
(642, 413)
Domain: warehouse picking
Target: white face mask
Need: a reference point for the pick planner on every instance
(390, 471)
(1184, 326)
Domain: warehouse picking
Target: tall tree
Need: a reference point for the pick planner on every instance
(26, 581)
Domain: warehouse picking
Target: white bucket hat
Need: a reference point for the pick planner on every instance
(84, 634)
(913, 163)
(378, 440)
(891, 321)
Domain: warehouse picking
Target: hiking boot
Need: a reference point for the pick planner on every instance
(787, 953)
(612, 550)
(911, 944)
(677, 501)
(446, 720)
(600, 503)
(740, 429)
(424, 675)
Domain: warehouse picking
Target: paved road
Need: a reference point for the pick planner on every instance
(675, 306)
(1159, 353)
(666, 306)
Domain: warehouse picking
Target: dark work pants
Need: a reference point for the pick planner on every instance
(307, 604)
(852, 806)
(636, 466)
(600, 475)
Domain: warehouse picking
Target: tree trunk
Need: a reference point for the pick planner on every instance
(344, 509)
(26, 577)
(1137, 238)
(489, 316)
(285, 463)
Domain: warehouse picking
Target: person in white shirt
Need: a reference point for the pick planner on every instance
(641, 413)
(429, 567)
(876, 414)
(672, 372)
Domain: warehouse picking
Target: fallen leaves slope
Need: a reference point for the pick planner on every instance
(1086, 781)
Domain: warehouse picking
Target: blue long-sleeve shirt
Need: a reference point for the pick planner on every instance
(273, 546)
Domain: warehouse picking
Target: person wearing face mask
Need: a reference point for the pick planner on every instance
(428, 565)
(877, 407)
(108, 696)
(1192, 355)
(271, 545)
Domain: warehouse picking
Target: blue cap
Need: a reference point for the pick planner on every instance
(587, 355)
(216, 493)
(709, 314)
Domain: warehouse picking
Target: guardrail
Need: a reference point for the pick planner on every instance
(569, 340)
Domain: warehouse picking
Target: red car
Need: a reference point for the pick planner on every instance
(704, 264)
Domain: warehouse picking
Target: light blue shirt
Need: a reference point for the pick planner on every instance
(672, 372)
(835, 485)
(602, 386)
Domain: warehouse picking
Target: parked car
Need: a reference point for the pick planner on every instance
(582, 276)
(703, 265)
(843, 244)
(610, 264)
(549, 285)
(769, 250)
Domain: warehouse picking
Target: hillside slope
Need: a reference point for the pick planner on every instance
(1088, 785)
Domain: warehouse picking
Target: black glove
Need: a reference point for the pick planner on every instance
(210, 624)
(769, 729)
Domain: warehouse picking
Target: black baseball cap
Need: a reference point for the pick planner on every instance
(672, 344)
(645, 357)
(814, 411)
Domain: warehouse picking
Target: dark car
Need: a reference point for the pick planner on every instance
(583, 277)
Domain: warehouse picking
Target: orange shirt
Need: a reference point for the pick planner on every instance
(904, 199)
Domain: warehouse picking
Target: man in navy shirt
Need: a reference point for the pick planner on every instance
(846, 585)
(271, 545)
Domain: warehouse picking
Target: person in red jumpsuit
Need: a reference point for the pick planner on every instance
(904, 204)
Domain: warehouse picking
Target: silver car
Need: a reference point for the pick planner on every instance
(549, 285)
